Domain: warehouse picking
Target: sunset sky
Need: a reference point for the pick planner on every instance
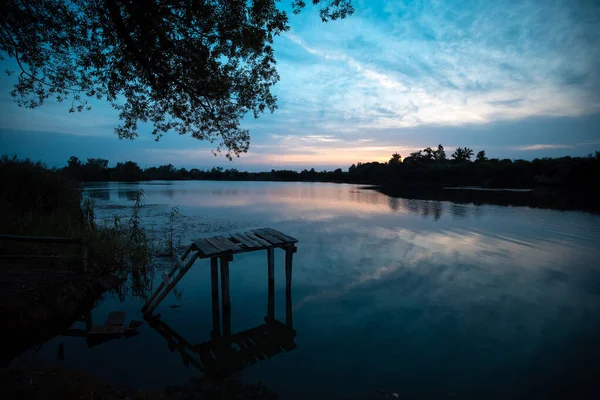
(520, 79)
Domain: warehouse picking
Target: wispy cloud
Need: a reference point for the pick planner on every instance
(543, 147)
(451, 63)
(554, 146)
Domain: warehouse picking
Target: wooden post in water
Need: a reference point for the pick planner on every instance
(271, 264)
(289, 255)
(225, 294)
(214, 283)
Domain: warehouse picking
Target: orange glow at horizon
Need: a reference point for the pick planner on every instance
(331, 156)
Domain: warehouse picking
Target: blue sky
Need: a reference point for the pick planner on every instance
(520, 79)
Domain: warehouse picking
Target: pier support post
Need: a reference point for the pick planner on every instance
(289, 255)
(214, 283)
(225, 294)
(271, 265)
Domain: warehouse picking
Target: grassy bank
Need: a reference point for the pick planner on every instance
(37, 201)
(41, 297)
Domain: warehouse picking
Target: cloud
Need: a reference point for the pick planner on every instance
(543, 147)
(506, 103)
(319, 138)
(451, 63)
(555, 146)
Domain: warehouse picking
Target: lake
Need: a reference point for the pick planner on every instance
(419, 298)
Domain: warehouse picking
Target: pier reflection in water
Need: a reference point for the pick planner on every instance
(227, 353)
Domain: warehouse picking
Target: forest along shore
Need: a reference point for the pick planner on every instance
(561, 183)
(425, 167)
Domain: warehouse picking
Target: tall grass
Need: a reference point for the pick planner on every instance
(120, 246)
(37, 201)
(172, 216)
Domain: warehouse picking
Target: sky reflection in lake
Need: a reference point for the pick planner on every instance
(421, 297)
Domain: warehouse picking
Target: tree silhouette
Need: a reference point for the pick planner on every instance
(127, 171)
(96, 163)
(396, 159)
(193, 67)
(95, 168)
(415, 157)
(481, 156)
(428, 154)
(468, 153)
(462, 154)
(73, 162)
(439, 154)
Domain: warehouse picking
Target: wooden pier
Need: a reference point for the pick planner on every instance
(220, 249)
(227, 352)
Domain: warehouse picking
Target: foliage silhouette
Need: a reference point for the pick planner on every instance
(195, 68)
(420, 168)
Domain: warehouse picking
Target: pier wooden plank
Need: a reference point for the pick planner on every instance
(257, 239)
(254, 242)
(281, 235)
(243, 240)
(267, 236)
(228, 243)
(272, 237)
(217, 243)
(243, 246)
(206, 247)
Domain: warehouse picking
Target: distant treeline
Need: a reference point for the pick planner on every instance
(425, 167)
(97, 169)
(432, 167)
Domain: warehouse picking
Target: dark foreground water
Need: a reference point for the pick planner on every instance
(422, 298)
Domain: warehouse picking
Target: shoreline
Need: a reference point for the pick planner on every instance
(584, 199)
(62, 383)
(39, 304)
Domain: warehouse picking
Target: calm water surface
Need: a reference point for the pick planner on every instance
(425, 299)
